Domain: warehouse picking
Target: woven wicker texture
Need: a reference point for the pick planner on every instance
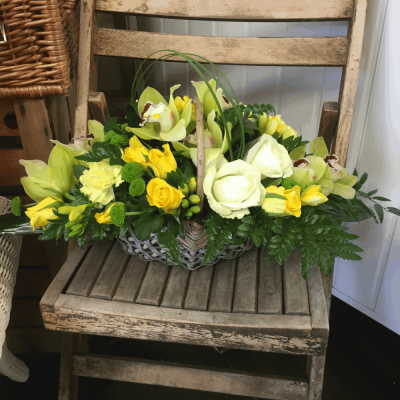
(35, 61)
(192, 254)
(10, 247)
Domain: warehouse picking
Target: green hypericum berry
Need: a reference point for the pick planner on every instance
(194, 199)
(188, 214)
(185, 190)
(185, 203)
(137, 187)
(289, 183)
(16, 206)
(194, 209)
(117, 214)
(192, 185)
(116, 139)
(131, 171)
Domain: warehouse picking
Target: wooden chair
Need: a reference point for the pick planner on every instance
(248, 303)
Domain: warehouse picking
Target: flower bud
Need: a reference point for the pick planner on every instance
(188, 214)
(195, 209)
(74, 222)
(185, 203)
(185, 190)
(192, 185)
(194, 199)
(65, 210)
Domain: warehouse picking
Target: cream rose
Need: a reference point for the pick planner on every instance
(270, 157)
(231, 188)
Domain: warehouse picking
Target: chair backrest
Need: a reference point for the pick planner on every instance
(342, 51)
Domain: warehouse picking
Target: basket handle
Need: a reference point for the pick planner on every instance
(200, 150)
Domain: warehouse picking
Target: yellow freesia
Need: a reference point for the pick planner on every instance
(293, 205)
(39, 215)
(163, 195)
(273, 205)
(312, 196)
(104, 217)
(136, 152)
(162, 162)
(270, 125)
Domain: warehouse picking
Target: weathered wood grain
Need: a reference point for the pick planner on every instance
(61, 280)
(245, 297)
(294, 286)
(175, 290)
(61, 118)
(328, 123)
(131, 280)
(274, 333)
(316, 295)
(222, 286)
(318, 51)
(153, 284)
(350, 74)
(190, 377)
(86, 276)
(315, 370)
(327, 282)
(257, 10)
(110, 274)
(270, 285)
(68, 386)
(98, 107)
(199, 288)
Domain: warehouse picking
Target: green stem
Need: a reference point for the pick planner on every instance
(29, 205)
(134, 213)
(69, 196)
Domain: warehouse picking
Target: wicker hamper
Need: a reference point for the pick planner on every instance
(38, 47)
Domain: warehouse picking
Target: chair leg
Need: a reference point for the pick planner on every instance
(316, 368)
(68, 387)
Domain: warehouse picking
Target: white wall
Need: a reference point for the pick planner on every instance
(371, 285)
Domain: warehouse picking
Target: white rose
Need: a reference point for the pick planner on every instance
(231, 188)
(270, 157)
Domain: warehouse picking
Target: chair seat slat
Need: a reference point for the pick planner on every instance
(306, 51)
(257, 10)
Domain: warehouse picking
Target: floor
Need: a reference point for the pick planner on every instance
(362, 364)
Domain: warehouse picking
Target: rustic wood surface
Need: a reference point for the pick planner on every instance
(294, 286)
(60, 118)
(201, 155)
(175, 290)
(245, 298)
(316, 368)
(68, 386)
(350, 74)
(190, 377)
(328, 123)
(317, 51)
(199, 288)
(98, 107)
(270, 298)
(234, 9)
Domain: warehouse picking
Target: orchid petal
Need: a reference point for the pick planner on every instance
(318, 147)
(202, 89)
(344, 191)
(146, 133)
(298, 153)
(211, 155)
(187, 113)
(178, 146)
(177, 133)
(172, 104)
(326, 186)
(97, 129)
(35, 191)
(152, 95)
(348, 180)
(214, 129)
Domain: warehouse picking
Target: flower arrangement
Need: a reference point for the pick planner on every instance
(260, 180)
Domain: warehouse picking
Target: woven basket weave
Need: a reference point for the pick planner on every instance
(40, 49)
(193, 246)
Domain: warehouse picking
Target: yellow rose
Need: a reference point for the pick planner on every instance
(136, 152)
(293, 205)
(163, 195)
(312, 196)
(162, 163)
(39, 215)
(104, 217)
(275, 206)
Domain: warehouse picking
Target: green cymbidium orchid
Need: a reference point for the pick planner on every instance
(206, 98)
(55, 178)
(161, 120)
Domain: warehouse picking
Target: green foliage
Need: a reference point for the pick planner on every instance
(132, 171)
(79, 170)
(178, 179)
(169, 243)
(79, 197)
(137, 187)
(289, 183)
(101, 151)
(147, 224)
(117, 214)
(132, 117)
(116, 139)
(16, 206)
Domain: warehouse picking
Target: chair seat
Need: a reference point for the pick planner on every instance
(248, 303)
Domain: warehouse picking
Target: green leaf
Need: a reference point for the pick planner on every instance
(132, 117)
(111, 124)
(372, 192)
(169, 243)
(381, 198)
(13, 225)
(275, 196)
(79, 170)
(101, 151)
(148, 224)
(379, 211)
(361, 182)
(394, 211)
(266, 182)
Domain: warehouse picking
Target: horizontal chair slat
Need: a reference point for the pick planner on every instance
(256, 10)
(312, 51)
(190, 377)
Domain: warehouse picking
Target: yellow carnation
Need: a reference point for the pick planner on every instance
(162, 162)
(98, 181)
(312, 196)
(39, 215)
(163, 195)
(136, 152)
(293, 205)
